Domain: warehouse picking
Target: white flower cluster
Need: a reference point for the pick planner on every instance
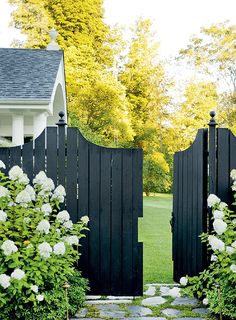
(59, 193)
(183, 281)
(85, 219)
(216, 244)
(212, 200)
(17, 174)
(72, 240)
(34, 288)
(43, 226)
(59, 248)
(45, 250)
(23, 197)
(47, 209)
(2, 165)
(63, 216)
(3, 216)
(46, 184)
(4, 192)
(17, 274)
(9, 247)
(219, 226)
(233, 268)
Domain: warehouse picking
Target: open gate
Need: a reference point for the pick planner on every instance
(202, 169)
(106, 185)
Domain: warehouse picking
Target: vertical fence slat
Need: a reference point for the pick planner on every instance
(137, 177)
(127, 224)
(71, 174)
(175, 215)
(94, 211)
(61, 160)
(83, 196)
(116, 224)
(39, 153)
(52, 153)
(189, 213)
(4, 156)
(223, 164)
(105, 219)
(27, 159)
(15, 156)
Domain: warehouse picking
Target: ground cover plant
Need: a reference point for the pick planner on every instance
(216, 284)
(38, 249)
(155, 232)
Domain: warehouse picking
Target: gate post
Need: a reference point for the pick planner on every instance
(61, 150)
(212, 154)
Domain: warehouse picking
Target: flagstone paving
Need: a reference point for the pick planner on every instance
(152, 306)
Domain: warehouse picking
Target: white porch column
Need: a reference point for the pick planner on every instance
(18, 129)
(40, 123)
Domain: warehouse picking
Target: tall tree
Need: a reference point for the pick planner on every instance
(146, 90)
(213, 51)
(90, 47)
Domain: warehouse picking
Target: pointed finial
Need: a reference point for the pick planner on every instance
(212, 120)
(61, 121)
(53, 45)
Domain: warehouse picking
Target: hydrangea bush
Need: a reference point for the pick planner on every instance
(38, 247)
(216, 285)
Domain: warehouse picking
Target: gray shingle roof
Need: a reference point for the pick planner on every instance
(28, 73)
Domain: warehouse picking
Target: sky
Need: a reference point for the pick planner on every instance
(174, 20)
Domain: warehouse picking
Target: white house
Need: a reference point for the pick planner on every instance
(32, 91)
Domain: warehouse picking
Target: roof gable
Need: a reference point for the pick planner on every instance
(28, 73)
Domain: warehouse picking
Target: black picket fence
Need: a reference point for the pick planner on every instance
(106, 185)
(202, 169)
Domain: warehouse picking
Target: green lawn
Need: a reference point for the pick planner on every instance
(155, 233)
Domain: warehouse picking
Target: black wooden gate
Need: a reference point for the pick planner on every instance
(106, 185)
(202, 169)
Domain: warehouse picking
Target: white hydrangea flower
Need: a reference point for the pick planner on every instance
(9, 247)
(58, 230)
(40, 178)
(234, 221)
(233, 268)
(24, 178)
(47, 185)
(233, 187)
(63, 216)
(230, 250)
(30, 191)
(68, 224)
(45, 250)
(85, 219)
(234, 244)
(18, 274)
(47, 209)
(59, 191)
(216, 244)
(4, 192)
(217, 214)
(205, 301)
(233, 174)
(27, 220)
(213, 257)
(59, 248)
(15, 173)
(4, 280)
(43, 226)
(3, 216)
(219, 226)
(40, 297)
(212, 200)
(72, 240)
(223, 205)
(34, 288)
(183, 281)
(174, 292)
(23, 197)
(29, 246)
(2, 165)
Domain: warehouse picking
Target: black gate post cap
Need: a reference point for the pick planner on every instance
(61, 121)
(212, 121)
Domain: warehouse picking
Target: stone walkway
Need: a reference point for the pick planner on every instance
(156, 304)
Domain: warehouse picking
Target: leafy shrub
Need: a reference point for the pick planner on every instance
(216, 285)
(38, 249)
